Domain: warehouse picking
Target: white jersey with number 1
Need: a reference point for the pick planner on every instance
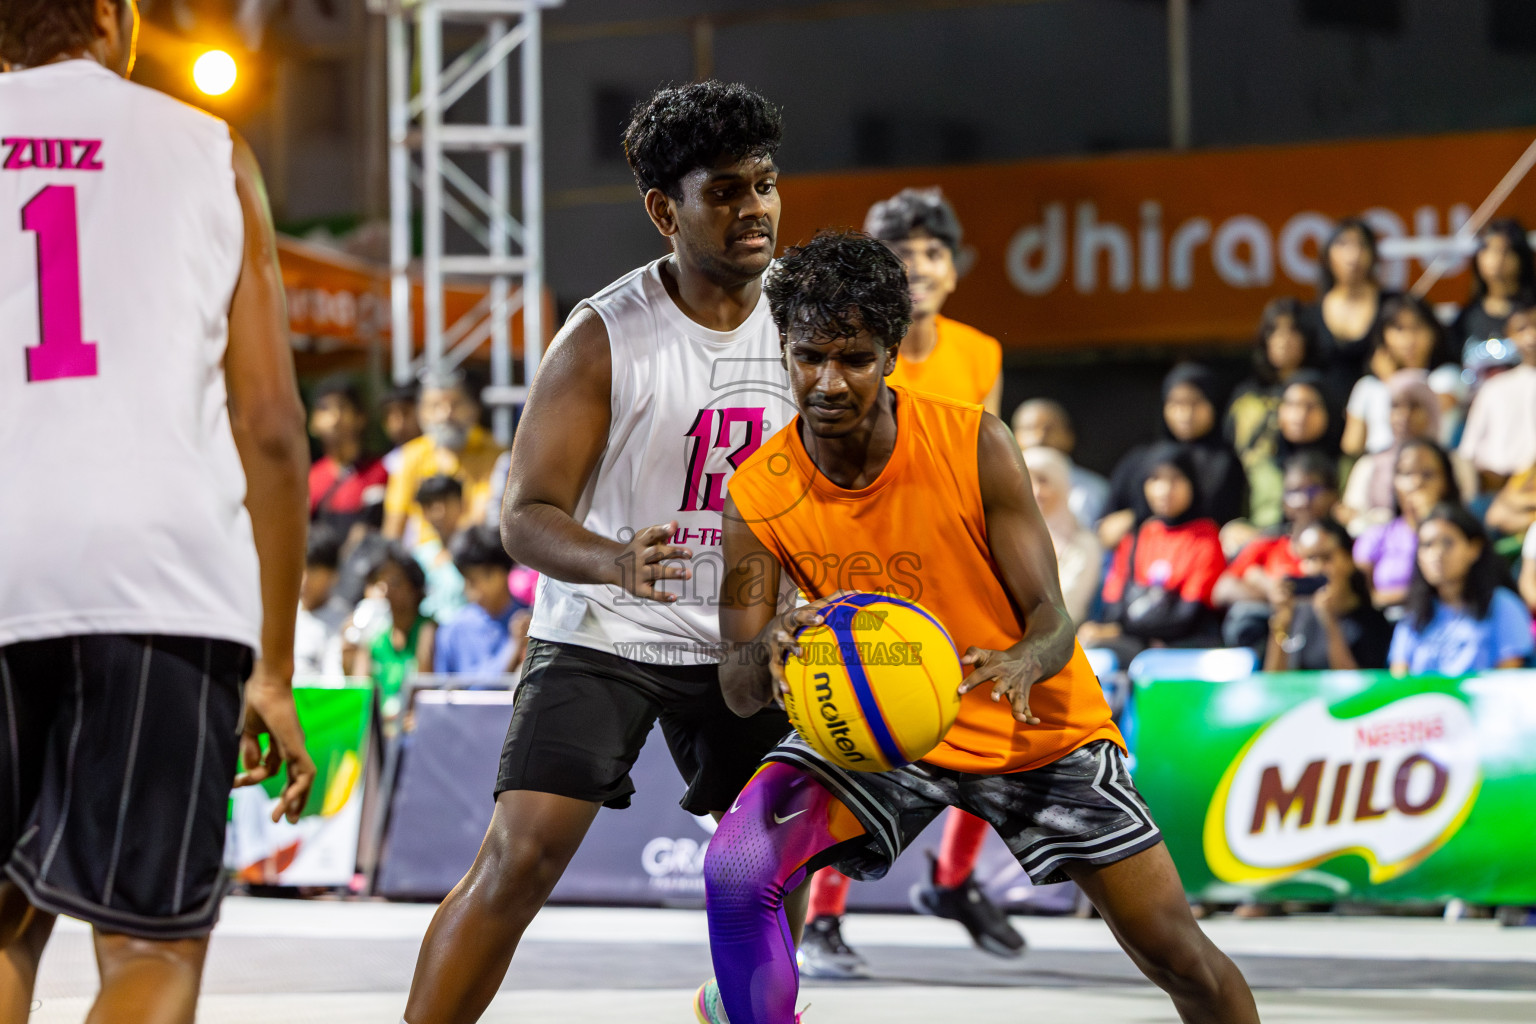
(688, 406)
(121, 242)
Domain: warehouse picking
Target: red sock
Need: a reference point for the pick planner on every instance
(829, 894)
(963, 836)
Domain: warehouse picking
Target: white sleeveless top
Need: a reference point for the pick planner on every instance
(120, 245)
(689, 405)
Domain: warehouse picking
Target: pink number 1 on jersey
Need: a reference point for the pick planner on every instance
(63, 351)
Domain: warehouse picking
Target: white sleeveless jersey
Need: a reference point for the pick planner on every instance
(120, 245)
(689, 405)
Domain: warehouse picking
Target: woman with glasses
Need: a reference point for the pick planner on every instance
(1422, 479)
(1462, 616)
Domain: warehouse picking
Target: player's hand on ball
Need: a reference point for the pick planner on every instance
(782, 639)
(1011, 676)
(643, 563)
(269, 710)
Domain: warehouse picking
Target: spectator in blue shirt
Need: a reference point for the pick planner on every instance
(441, 498)
(1462, 616)
(487, 637)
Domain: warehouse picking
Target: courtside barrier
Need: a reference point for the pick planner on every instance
(322, 848)
(1325, 786)
(650, 854)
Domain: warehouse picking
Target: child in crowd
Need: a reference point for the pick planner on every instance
(401, 423)
(1500, 438)
(1503, 278)
(1408, 337)
(1308, 421)
(1190, 404)
(1258, 577)
(441, 498)
(346, 485)
(317, 634)
(1461, 615)
(1079, 559)
(1368, 496)
(1285, 345)
(1158, 591)
(406, 647)
(488, 637)
(1514, 508)
(1044, 422)
(1422, 480)
(1349, 300)
(1336, 628)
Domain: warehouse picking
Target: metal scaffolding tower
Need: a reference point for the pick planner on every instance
(506, 252)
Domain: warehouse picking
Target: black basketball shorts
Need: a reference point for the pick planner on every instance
(580, 717)
(1082, 807)
(116, 758)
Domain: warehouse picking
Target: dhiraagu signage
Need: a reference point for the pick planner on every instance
(1345, 785)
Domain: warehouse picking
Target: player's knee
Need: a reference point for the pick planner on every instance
(514, 870)
(740, 869)
(117, 952)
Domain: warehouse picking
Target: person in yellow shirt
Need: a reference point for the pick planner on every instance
(453, 444)
(940, 356)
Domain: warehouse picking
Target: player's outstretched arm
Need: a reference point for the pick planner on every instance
(1021, 546)
(560, 438)
(267, 419)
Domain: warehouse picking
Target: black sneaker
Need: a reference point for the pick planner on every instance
(967, 904)
(824, 954)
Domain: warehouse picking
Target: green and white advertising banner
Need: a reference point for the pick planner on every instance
(321, 849)
(1345, 785)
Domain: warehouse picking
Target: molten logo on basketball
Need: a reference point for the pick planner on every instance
(837, 729)
(1390, 786)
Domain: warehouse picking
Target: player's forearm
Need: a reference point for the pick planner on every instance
(275, 457)
(1049, 639)
(550, 541)
(745, 680)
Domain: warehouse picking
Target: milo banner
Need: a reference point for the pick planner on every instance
(321, 849)
(1345, 785)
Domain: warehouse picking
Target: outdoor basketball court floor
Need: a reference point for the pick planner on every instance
(341, 963)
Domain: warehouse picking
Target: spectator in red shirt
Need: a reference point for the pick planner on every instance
(346, 487)
(1158, 591)
(1256, 579)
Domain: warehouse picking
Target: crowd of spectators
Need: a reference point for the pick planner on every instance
(405, 572)
(1364, 500)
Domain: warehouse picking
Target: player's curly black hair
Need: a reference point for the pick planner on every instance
(689, 126)
(33, 32)
(841, 283)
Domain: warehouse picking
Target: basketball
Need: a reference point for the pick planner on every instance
(875, 686)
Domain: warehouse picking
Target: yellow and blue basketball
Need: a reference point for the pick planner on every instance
(875, 686)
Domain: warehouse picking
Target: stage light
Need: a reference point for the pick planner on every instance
(215, 73)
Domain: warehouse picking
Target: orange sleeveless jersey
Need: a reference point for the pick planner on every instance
(919, 531)
(963, 365)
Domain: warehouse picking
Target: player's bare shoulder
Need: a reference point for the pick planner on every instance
(1003, 477)
(579, 361)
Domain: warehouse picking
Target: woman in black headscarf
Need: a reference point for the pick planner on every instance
(1310, 418)
(1158, 590)
(1191, 417)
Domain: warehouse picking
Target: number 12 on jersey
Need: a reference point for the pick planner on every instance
(62, 350)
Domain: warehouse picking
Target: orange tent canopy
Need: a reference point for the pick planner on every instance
(346, 300)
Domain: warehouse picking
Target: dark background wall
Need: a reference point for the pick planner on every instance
(918, 84)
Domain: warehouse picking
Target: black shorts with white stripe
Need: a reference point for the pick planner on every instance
(1082, 807)
(116, 757)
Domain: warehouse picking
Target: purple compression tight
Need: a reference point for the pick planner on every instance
(782, 819)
